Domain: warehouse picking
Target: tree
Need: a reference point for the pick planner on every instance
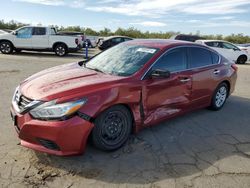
(131, 32)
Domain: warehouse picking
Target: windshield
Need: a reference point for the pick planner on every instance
(122, 60)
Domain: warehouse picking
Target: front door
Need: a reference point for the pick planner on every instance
(23, 38)
(167, 97)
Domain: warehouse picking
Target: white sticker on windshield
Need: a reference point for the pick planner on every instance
(146, 50)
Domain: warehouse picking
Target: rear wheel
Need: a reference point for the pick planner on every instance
(112, 128)
(241, 60)
(6, 47)
(60, 50)
(220, 96)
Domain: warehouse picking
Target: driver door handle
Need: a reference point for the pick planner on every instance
(184, 80)
(216, 71)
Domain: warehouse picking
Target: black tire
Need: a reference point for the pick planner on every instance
(61, 50)
(112, 128)
(6, 47)
(219, 97)
(242, 59)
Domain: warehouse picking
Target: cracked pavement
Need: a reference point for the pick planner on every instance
(200, 149)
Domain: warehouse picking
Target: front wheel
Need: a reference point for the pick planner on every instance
(112, 128)
(219, 97)
(60, 50)
(6, 47)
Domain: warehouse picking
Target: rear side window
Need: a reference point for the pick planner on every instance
(127, 39)
(199, 57)
(215, 57)
(214, 44)
(39, 31)
(117, 40)
(174, 60)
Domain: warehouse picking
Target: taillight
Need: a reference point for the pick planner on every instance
(76, 41)
(83, 38)
(234, 67)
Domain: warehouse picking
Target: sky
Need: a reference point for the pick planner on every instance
(186, 16)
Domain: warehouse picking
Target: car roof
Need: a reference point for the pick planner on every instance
(161, 43)
(212, 41)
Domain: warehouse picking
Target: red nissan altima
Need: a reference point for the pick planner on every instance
(130, 86)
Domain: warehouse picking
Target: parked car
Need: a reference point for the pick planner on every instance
(38, 38)
(122, 90)
(190, 38)
(227, 49)
(111, 41)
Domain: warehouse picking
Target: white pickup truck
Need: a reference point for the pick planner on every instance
(37, 38)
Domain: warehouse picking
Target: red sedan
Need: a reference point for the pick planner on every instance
(122, 90)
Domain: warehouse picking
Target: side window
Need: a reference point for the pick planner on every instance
(25, 32)
(199, 57)
(229, 46)
(127, 39)
(174, 60)
(39, 31)
(215, 57)
(213, 44)
(117, 40)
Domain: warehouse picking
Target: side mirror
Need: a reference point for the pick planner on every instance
(14, 33)
(158, 73)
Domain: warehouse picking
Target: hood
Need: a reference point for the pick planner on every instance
(64, 80)
(5, 35)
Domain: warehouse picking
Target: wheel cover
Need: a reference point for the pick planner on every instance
(5, 48)
(60, 50)
(113, 128)
(221, 96)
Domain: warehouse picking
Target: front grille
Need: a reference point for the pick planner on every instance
(49, 144)
(23, 102)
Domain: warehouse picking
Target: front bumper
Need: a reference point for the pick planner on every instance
(62, 138)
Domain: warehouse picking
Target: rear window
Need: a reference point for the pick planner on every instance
(39, 31)
(199, 57)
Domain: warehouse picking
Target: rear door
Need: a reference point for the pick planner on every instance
(205, 70)
(40, 39)
(166, 97)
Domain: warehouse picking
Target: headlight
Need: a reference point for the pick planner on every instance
(51, 110)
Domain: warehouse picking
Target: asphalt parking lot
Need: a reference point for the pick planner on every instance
(199, 149)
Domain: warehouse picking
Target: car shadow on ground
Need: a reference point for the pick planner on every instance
(199, 142)
(79, 54)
